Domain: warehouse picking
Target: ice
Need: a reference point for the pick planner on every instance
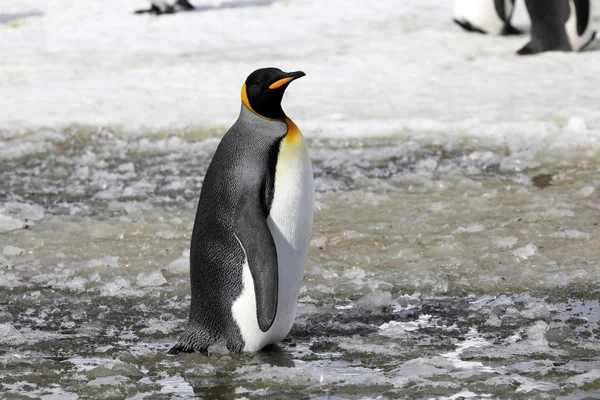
(375, 300)
(575, 234)
(393, 329)
(576, 125)
(474, 228)
(354, 273)
(179, 266)
(149, 279)
(120, 286)
(8, 224)
(115, 369)
(12, 251)
(586, 191)
(588, 378)
(6, 317)
(107, 261)
(526, 252)
(9, 335)
(507, 241)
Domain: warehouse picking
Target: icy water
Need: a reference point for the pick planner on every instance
(456, 270)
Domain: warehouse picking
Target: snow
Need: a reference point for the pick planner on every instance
(403, 69)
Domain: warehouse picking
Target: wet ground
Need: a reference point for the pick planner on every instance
(435, 271)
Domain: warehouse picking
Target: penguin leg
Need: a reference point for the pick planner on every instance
(185, 4)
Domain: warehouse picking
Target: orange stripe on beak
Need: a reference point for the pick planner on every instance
(281, 82)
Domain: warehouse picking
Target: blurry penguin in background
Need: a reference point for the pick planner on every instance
(485, 16)
(559, 25)
(159, 7)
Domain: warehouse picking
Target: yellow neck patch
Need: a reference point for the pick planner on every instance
(293, 133)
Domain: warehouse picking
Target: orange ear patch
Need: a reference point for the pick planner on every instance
(280, 83)
(245, 98)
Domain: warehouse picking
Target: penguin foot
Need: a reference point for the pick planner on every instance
(468, 27)
(193, 339)
(178, 348)
(510, 30)
(527, 50)
(152, 10)
(185, 4)
(589, 41)
(235, 347)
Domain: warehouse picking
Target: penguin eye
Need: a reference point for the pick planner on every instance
(256, 84)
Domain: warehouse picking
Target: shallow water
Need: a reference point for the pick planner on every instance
(435, 270)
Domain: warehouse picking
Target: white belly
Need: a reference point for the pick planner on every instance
(481, 13)
(290, 223)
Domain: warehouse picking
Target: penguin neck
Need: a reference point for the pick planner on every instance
(261, 123)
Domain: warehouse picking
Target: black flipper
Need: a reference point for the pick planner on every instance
(582, 12)
(253, 233)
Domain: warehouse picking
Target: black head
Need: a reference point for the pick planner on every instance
(264, 88)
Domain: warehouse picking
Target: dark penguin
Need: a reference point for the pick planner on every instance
(159, 7)
(253, 224)
(485, 16)
(558, 25)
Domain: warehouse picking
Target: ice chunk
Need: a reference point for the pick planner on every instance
(5, 317)
(575, 234)
(354, 273)
(8, 224)
(179, 266)
(525, 252)
(393, 329)
(115, 288)
(23, 211)
(374, 300)
(576, 125)
(13, 251)
(115, 368)
(127, 167)
(589, 378)
(473, 228)
(586, 191)
(108, 261)
(505, 242)
(153, 278)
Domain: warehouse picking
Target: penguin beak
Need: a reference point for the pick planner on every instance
(286, 79)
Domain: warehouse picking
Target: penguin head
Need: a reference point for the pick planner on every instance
(263, 90)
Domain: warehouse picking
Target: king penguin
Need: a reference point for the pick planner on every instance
(485, 16)
(559, 25)
(253, 225)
